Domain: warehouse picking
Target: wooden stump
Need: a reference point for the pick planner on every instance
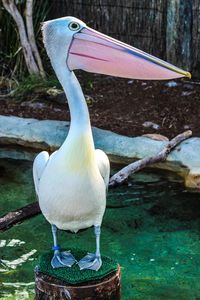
(107, 288)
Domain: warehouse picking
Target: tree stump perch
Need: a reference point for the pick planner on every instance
(107, 288)
(75, 284)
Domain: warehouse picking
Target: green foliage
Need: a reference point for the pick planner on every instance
(31, 84)
(85, 78)
(10, 46)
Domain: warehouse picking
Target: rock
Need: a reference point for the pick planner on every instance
(7, 83)
(172, 83)
(89, 99)
(188, 86)
(27, 132)
(186, 93)
(193, 179)
(15, 153)
(33, 104)
(155, 136)
(150, 124)
(57, 95)
(49, 135)
(57, 109)
(54, 92)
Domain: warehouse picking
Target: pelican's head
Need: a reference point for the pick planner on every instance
(69, 40)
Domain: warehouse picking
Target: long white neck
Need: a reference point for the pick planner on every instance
(80, 128)
(78, 108)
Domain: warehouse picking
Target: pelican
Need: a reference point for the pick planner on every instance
(71, 183)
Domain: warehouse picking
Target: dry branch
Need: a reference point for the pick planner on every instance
(18, 216)
(31, 210)
(124, 173)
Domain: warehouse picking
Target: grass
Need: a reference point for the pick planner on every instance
(32, 84)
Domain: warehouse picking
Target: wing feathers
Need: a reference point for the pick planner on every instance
(39, 165)
(103, 165)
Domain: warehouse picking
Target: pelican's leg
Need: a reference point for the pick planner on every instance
(93, 261)
(60, 259)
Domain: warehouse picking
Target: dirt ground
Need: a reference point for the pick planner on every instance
(123, 105)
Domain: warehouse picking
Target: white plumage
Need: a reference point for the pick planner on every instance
(72, 190)
(71, 183)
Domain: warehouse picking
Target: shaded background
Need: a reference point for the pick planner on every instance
(169, 29)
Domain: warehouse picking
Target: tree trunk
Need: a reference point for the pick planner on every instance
(27, 51)
(178, 32)
(31, 35)
(195, 45)
(108, 288)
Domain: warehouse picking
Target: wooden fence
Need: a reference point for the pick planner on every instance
(169, 29)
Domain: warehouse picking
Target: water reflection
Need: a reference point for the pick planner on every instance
(19, 261)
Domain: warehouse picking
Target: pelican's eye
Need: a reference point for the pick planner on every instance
(74, 26)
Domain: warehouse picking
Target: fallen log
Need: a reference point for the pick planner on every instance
(33, 209)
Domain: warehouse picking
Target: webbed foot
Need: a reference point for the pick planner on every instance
(90, 261)
(62, 259)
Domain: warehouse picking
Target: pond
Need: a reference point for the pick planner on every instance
(150, 226)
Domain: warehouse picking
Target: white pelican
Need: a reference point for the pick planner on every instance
(71, 183)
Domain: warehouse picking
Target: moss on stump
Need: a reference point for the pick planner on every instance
(73, 275)
(73, 283)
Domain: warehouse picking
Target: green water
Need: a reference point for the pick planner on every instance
(151, 228)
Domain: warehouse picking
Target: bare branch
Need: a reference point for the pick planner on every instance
(124, 173)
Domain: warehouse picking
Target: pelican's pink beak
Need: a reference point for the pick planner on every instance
(98, 53)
